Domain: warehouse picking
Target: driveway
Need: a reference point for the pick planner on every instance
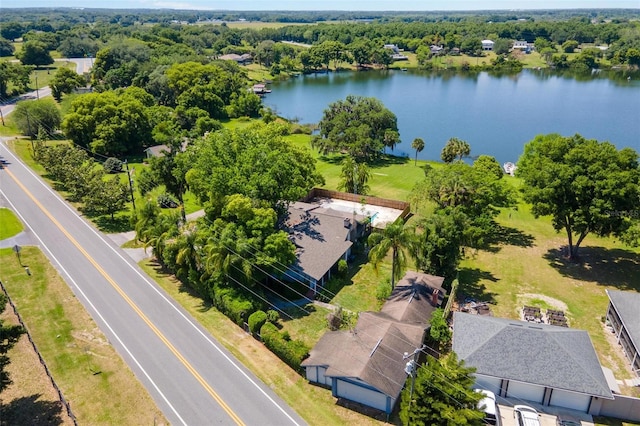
(548, 415)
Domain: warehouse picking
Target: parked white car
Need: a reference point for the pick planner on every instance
(490, 407)
(525, 416)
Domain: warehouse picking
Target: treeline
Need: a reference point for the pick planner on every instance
(169, 40)
(73, 16)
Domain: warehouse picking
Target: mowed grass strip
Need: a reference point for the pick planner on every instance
(9, 224)
(32, 395)
(100, 387)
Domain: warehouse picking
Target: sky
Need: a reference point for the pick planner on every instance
(399, 5)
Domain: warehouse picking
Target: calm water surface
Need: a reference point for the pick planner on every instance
(496, 115)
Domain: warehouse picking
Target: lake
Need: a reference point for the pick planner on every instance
(496, 115)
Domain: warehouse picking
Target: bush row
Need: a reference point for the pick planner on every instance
(290, 351)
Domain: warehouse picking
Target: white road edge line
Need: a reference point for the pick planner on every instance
(151, 285)
(95, 309)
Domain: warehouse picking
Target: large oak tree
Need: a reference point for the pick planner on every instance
(586, 186)
(361, 126)
(256, 162)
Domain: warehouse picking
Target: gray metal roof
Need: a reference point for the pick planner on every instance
(546, 355)
(627, 304)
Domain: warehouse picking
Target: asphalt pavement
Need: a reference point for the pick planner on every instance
(192, 378)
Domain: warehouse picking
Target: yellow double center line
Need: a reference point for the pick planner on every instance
(144, 318)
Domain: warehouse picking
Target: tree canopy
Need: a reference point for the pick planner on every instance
(442, 394)
(354, 176)
(66, 81)
(34, 53)
(361, 126)
(255, 161)
(455, 148)
(586, 186)
(34, 115)
(111, 122)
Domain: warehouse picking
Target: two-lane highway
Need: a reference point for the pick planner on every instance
(192, 378)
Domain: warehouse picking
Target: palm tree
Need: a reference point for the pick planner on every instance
(187, 258)
(165, 228)
(227, 252)
(397, 238)
(354, 176)
(418, 145)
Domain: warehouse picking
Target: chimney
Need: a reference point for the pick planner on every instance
(347, 222)
(434, 297)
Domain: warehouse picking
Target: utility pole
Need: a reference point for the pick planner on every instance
(411, 368)
(133, 201)
(2, 117)
(33, 149)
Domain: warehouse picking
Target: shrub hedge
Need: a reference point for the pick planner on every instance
(256, 321)
(290, 351)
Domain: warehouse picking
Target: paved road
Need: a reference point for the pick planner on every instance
(83, 65)
(192, 378)
(7, 106)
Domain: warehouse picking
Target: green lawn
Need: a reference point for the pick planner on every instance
(9, 224)
(391, 177)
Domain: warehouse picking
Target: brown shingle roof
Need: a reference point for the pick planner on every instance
(411, 299)
(321, 239)
(373, 350)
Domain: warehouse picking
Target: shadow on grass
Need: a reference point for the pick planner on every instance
(386, 160)
(368, 411)
(162, 272)
(116, 225)
(471, 287)
(512, 237)
(610, 421)
(297, 312)
(29, 410)
(611, 267)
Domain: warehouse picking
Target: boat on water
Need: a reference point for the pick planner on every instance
(509, 168)
(260, 89)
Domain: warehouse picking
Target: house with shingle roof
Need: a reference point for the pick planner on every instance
(366, 364)
(243, 59)
(545, 364)
(322, 237)
(623, 315)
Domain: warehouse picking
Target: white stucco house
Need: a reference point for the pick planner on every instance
(487, 44)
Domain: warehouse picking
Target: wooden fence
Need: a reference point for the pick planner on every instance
(376, 201)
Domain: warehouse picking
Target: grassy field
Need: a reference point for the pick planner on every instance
(9, 224)
(92, 376)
